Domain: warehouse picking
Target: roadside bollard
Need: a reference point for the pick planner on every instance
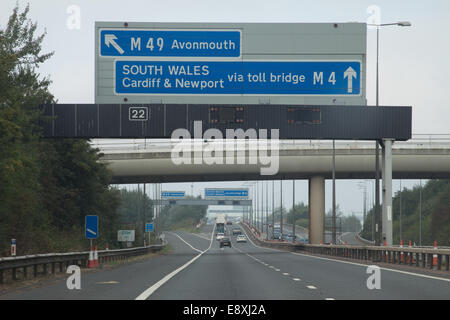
(401, 252)
(387, 255)
(435, 257)
(95, 257)
(91, 263)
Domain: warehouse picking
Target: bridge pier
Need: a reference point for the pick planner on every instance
(316, 209)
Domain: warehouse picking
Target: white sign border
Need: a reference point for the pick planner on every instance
(240, 95)
(168, 29)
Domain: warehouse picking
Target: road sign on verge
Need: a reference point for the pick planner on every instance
(126, 235)
(13, 247)
(91, 227)
(149, 227)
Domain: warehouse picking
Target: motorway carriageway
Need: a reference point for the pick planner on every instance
(197, 268)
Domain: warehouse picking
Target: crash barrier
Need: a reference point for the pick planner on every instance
(431, 258)
(63, 260)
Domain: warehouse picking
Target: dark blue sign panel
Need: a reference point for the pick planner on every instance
(238, 77)
(172, 194)
(170, 43)
(91, 227)
(226, 193)
(149, 227)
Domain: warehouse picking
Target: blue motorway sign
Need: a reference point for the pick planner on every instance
(172, 194)
(169, 43)
(149, 227)
(226, 193)
(238, 77)
(91, 227)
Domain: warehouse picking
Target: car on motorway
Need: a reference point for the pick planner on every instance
(290, 238)
(236, 231)
(225, 241)
(220, 236)
(241, 238)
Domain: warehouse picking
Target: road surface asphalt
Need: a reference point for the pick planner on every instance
(197, 268)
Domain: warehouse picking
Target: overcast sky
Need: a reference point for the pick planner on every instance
(414, 61)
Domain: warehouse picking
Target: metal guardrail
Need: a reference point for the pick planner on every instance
(71, 258)
(430, 258)
(363, 240)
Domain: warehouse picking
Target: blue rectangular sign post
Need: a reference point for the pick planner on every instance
(91, 227)
(172, 194)
(225, 193)
(149, 227)
(238, 77)
(169, 43)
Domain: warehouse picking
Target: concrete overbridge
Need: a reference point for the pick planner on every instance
(150, 161)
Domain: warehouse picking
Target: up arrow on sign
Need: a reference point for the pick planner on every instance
(110, 39)
(350, 74)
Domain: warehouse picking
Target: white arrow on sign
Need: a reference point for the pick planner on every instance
(350, 74)
(110, 39)
(90, 231)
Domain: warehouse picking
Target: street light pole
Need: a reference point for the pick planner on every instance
(261, 210)
(281, 209)
(267, 210)
(293, 211)
(420, 214)
(273, 207)
(363, 186)
(400, 196)
(378, 227)
(377, 165)
(333, 217)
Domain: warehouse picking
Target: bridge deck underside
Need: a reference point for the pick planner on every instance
(140, 167)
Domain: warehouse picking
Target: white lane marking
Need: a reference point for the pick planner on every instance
(186, 242)
(202, 236)
(257, 245)
(366, 265)
(330, 299)
(147, 293)
(311, 287)
(107, 282)
(267, 265)
(353, 263)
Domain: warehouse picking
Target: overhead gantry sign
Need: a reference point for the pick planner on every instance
(287, 121)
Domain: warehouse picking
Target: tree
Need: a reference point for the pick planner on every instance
(433, 211)
(184, 217)
(21, 90)
(46, 186)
